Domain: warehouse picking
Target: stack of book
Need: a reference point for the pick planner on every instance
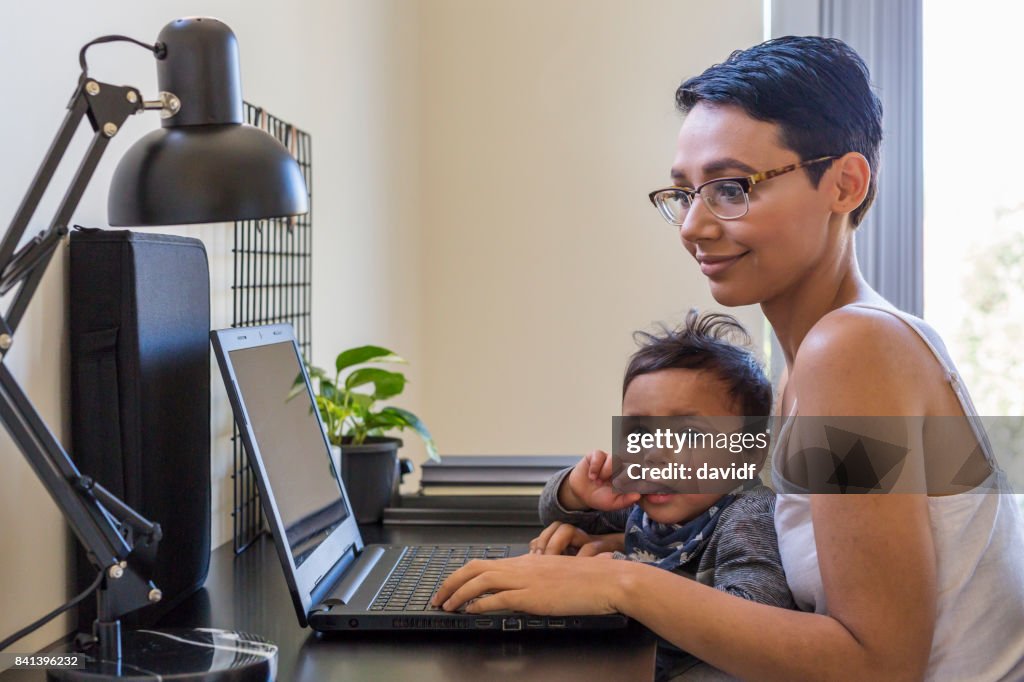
(479, 490)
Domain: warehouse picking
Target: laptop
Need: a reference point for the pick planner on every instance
(338, 583)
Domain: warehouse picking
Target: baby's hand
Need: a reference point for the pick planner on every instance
(588, 486)
(565, 538)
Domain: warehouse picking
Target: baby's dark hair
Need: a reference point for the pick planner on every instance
(703, 342)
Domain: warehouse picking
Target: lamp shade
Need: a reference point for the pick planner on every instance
(205, 174)
(204, 165)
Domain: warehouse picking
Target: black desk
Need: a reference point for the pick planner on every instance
(249, 593)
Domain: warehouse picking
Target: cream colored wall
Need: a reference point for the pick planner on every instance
(337, 69)
(446, 137)
(542, 131)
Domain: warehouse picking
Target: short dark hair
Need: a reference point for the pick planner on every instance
(817, 90)
(702, 342)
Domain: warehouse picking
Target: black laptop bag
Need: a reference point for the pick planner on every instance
(140, 394)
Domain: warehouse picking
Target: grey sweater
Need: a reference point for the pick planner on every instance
(741, 557)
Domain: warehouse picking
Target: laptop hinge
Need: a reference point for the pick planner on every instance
(345, 590)
(323, 584)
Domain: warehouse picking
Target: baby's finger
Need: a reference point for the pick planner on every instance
(606, 499)
(538, 544)
(595, 462)
(606, 468)
(594, 548)
(560, 539)
(626, 499)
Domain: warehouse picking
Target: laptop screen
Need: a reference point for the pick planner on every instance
(288, 433)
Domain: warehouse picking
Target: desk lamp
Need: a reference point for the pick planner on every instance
(203, 165)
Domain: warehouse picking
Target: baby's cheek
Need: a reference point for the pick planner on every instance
(644, 505)
(682, 509)
(685, 508)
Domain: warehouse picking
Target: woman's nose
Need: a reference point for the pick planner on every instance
(699, 223)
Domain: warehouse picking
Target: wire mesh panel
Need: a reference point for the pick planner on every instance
(272, 284)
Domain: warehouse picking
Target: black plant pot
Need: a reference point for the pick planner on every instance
(371, 473)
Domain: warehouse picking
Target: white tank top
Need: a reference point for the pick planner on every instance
(979, 551)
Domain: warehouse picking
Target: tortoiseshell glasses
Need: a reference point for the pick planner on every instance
(726, 198)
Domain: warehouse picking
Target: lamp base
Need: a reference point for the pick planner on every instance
(199, 654)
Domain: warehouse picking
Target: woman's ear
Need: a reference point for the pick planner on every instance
(852, 174)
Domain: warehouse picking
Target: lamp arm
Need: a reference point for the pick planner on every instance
(114, 535)
(107, 108)
(29, 203)
(58, 474)
(131, 519)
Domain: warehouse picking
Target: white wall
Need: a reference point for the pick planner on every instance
(446, 137)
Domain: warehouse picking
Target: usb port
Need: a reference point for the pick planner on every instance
(512, 623)
(556, 622)
(534, 622)
(484, 622)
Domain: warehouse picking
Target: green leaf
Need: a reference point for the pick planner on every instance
(318, 378)
(414, 422)
(314, 373)
(357, 356)
(384, 420)
(329, 391)
(385, 384)
(359, 400)
(330, 411)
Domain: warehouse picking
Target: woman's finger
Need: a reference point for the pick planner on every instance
(488, 581)
(496, 602)
(466, 573)
(532, 583)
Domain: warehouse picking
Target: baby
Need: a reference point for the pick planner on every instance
(726, 541)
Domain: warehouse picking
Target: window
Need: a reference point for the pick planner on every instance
(974, 202)
(974, 197)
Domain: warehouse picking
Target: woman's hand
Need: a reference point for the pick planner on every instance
(539, 584)
(565, 538)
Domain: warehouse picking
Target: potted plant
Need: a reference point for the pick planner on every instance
(356, 425)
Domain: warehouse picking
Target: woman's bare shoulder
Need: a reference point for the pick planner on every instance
(861, 361)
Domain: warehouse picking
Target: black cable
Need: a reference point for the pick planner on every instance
(52, 614)
(158, 49)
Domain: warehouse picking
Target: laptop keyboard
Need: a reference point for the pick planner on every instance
(422, 570)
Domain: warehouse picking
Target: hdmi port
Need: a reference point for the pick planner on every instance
(556, 622)
(534, 622)
(484, 622)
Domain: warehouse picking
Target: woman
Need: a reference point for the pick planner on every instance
(895, 586)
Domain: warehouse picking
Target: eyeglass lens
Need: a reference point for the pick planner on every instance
(724, 199)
